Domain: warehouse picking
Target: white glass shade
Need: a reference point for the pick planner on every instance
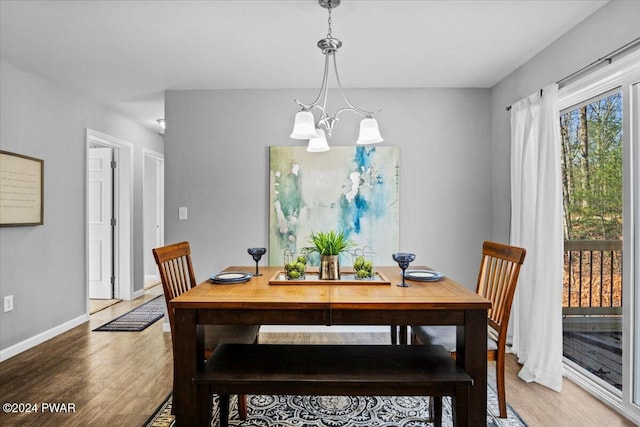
(369, 132)
(304, 126)
(319, 143)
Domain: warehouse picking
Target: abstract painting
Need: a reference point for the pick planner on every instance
(353, 189)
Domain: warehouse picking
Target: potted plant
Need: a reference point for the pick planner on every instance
(329, 245)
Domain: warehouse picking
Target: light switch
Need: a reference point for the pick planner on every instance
(8, 303)
(182, 213)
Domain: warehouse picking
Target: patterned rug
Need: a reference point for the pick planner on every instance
(339, 411)
(137, 319)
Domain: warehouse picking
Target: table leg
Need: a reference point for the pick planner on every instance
(471, 354)
(185, 365)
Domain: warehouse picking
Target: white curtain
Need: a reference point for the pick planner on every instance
(536, 202)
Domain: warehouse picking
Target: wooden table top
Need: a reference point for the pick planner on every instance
(257, 293)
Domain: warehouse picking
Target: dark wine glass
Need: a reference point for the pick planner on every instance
(257, 253)
(403, 259)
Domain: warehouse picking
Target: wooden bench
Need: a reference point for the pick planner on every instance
(339, 370)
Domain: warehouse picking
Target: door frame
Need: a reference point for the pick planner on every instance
(622, 73)
(159, 190)
(123, 208)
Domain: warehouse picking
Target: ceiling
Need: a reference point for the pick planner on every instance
(125, 54)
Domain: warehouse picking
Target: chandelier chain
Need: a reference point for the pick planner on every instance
(329, 20)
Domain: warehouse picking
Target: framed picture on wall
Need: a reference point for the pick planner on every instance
(354, 189)
(21, 190)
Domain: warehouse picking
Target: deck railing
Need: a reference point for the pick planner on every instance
(592, 277)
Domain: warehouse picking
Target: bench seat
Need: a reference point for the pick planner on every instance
(351, 370)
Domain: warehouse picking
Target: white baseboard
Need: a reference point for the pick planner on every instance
(151, 277)
(166, 327)
(323, 329)
(137, 294)
(41, 337)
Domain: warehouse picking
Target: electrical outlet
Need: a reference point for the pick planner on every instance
(8, 303)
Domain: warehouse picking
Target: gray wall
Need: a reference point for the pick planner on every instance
(44, 266)
(611, 27)
(217, 161)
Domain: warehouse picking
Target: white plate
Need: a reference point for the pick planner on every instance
(231, 277)
(423, 275)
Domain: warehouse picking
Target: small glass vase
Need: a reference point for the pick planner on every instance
(364, 263)
(295, 264)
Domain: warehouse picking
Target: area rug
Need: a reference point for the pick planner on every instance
(339, 411)
(137, 319)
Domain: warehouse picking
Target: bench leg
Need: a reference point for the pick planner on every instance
(398, 334)
(242, 406)
(403, 335)
(223, 409)
(460, 406)
(435, 410)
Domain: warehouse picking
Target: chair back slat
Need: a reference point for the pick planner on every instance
(176, 273)
(497, 279)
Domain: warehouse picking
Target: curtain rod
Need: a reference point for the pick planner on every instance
(607, 58)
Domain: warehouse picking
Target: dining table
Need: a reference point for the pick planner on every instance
(264, 300)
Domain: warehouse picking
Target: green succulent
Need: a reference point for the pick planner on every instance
(330, 243)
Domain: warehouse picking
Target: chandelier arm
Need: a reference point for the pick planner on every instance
(319, 107)
(308, 107)
(323, 89)
(326, 79)
(355, 109)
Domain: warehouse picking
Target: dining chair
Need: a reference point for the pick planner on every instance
(499, 270)
(177, 276)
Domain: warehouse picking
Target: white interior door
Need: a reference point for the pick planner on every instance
(153, 210)
(100, 186)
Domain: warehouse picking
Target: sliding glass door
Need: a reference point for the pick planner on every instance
(593, 198)
(599, 121)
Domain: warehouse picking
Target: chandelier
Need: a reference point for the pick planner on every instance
(305, 125)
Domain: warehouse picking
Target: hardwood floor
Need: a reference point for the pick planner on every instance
(540, 406)
(119, 378)
(112, 378)
(96, 305)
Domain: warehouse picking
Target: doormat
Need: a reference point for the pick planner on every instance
(137, 319)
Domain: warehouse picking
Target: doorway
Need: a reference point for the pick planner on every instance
(116, 264)
(152, 212)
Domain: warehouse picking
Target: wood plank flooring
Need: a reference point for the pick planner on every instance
(119, 378)
(95, 305)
